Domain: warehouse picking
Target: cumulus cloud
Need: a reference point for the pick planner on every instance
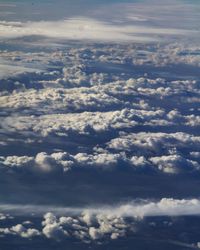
(123, 110)
(155, 142)
(17, 161)
(102, 160)
(61, 99)
(100, 227)
(82, 123)
(45, 163)
(146, 157)
(20, 231)
(173, 163)
(56, 162)
(52, 229)
(23, 232)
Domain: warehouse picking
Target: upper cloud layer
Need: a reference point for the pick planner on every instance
(87, 29)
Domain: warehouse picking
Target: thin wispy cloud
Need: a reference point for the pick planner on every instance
(134, 209)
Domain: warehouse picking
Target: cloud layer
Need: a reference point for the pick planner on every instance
(82, 28)
(99, 120)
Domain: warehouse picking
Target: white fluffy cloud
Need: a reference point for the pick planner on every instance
(17, 161)
(155, 142)
(61, 99)
(94, 227)
(174, 163)
(82, 123)
(54, 162)
(146, 157)
(21, 231)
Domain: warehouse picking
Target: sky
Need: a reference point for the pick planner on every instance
(99, 124)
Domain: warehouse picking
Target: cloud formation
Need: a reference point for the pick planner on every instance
(99, 119)
(99, 224)
(82, 28)
(136, 209)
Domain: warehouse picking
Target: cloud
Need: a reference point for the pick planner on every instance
(52, 229)
(101, 161)
(61, 99)
(7, 70)
(152, 142)
(100, 224)
(96, 111)
(174, 163)
(138, 208)
(17, 161)
(83, 28)
(46, 163)
(81, 123)
(63, 161)
(20, 231)
(100, 227)
(23, 232)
